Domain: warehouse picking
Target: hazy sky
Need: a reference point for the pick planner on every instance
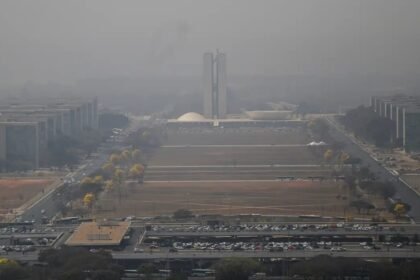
(68, 40)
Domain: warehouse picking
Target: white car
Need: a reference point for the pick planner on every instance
(138, 250)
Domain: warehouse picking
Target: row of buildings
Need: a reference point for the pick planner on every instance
(28, 126)
(404, 111)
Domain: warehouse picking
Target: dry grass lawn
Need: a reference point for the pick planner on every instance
(264, 197)
(15, 192)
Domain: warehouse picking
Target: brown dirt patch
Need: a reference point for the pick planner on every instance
(15, 192)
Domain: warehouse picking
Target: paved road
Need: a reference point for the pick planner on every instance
(51, 201)
(266, 254)
(369, 254)
(403, 191)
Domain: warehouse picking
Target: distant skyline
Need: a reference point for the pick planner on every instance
(66, 41)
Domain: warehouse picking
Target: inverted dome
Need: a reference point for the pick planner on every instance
(191, 117)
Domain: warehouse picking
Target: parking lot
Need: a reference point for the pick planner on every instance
(23, 241)
(277, 238)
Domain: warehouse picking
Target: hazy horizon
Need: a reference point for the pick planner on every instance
(66, 41)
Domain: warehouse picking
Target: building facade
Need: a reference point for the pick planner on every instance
(28, 126)
(214, 86)
(404, 111)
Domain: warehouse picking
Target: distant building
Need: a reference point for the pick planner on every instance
(214, 86)
(28, 125)
(404, 111)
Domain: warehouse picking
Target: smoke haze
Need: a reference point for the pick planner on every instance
(326, 46)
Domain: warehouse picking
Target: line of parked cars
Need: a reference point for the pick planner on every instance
(257, 246)
(4, 249)
(268, 227)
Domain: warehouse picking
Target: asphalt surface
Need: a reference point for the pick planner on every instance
(369, 254)
(403, 191)
(50, 204)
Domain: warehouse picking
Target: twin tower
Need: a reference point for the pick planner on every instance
(214, 85)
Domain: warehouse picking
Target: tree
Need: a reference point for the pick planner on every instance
(126, 155)
(136, 171)
(362, 205)
(388, 190)
(98, 180)
(328, 155)
(380, 131)
(182, 214)
(115, 158)
(136, 155)
(367, 124)
(92, 185)
(69, 263)
(108, 168)
(5, 261)
(117, 180)
(400, 208)
(88, 199)
(327, 267)
(110, 120)
(118, 176)
(11, 270)
(384, 189)
(236, 268)
(344, 157)
(365, 174)
(319, 128)
(147, 269)
(109, 185)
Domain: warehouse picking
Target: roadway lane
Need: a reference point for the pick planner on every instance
(354, 253)
(403, 191)
(367, 254)
(52, 201)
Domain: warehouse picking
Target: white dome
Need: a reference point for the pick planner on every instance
(191, 117)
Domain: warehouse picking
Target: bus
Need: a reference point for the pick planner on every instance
(202, 272)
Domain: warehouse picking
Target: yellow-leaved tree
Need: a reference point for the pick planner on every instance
(126, 155)
(88, 200)
(115, 158)
(5, 261)
(108, 168)
(328, 155)
(136, 171)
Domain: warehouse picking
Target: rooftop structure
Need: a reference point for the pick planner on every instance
(191, 117)
(99, 234)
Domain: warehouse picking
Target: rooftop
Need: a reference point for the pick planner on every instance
(98, 234)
